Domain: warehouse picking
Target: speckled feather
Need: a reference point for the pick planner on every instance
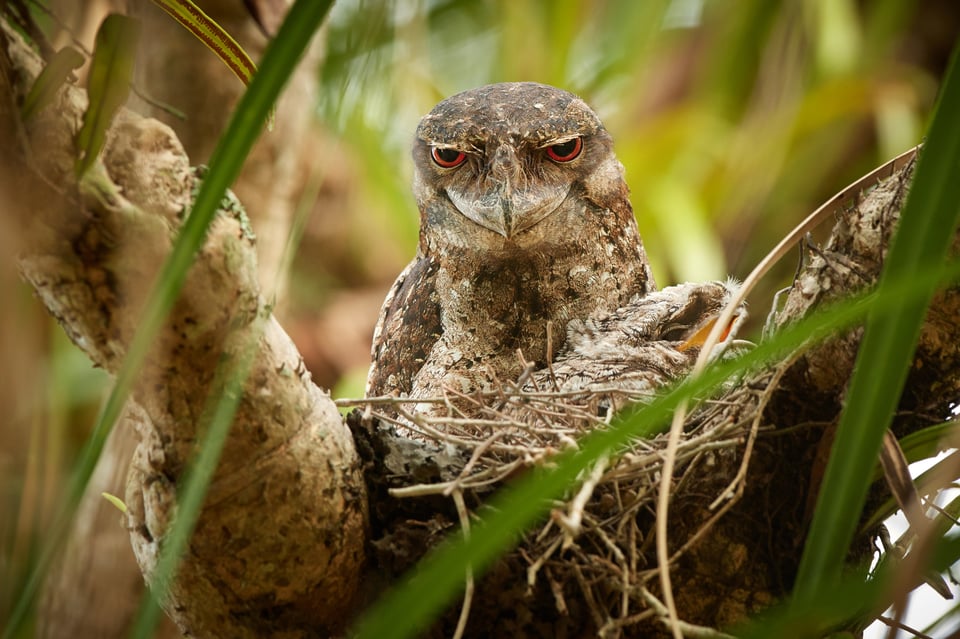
(642, 346)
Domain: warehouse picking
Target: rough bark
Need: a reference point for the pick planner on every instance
(270, 186)
(279, 543)
(272, 179)
(280, 547)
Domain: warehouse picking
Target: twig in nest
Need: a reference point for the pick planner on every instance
(685, 629)
(558, 599)
(424, 424)
(468, 588)
(735, 488)
(474, 458)
(613, 627)
(599, 521)
(595, 611)
(615, 550)
(619, 566)
(535, 567)
(834, 258)
(571, 522)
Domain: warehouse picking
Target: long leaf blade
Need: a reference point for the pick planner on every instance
(108, 84)
(923, 239)
(53, 76)
(851, 597)
(211, 34)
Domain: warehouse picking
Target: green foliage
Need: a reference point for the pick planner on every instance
(108, 85)
(732, 122)
(922, 241)
(45, 88)
(732, 119)
(212, 35)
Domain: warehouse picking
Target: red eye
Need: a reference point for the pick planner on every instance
(447, 158)
(565, 151)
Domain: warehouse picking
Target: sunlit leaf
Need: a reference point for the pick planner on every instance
(53, 76)
(215, 37)
(108, 84)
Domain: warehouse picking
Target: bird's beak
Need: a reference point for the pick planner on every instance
(698, 337)
(510, 211)
(508, 201)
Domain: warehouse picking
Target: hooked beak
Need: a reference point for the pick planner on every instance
(507, 201)
(510, 211)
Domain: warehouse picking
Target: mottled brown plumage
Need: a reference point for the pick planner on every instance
(634, 351)
(525, 223)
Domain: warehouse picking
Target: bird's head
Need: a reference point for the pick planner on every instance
(508, 155)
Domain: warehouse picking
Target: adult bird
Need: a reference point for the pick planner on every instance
(526, 229)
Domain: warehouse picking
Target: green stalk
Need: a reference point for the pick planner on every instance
(921, 243)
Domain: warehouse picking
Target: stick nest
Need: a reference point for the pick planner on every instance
(596, 549)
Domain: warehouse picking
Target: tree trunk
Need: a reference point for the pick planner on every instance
(284, 540)
(288, 491)
(97, 559)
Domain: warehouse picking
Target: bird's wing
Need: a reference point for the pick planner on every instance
(408, 327)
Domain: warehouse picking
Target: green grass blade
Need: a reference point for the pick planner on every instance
(922, 444)
(927, 442)
(108, 84)
(849, 598)
(211, 34)
(921, 242)
(53, 76)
